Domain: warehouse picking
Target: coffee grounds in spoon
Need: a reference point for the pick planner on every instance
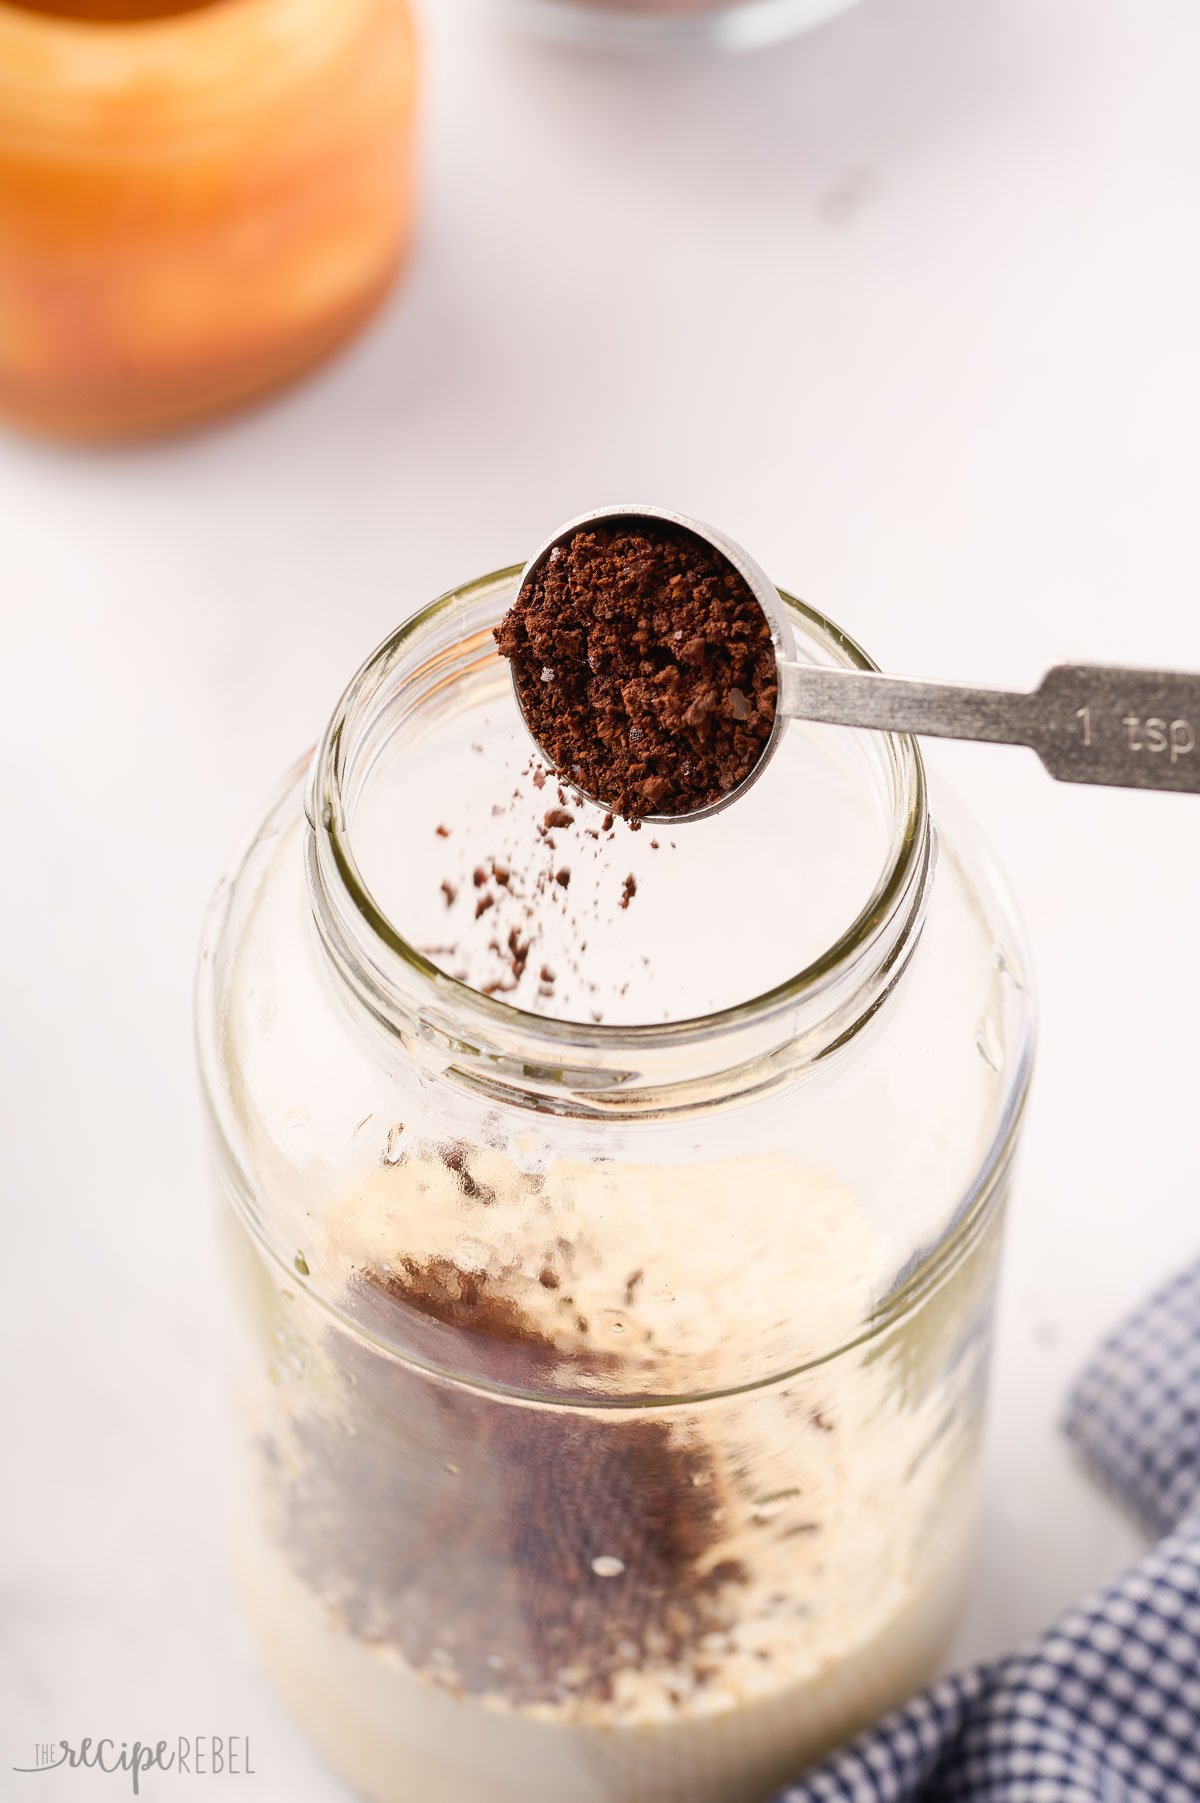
(645, 667)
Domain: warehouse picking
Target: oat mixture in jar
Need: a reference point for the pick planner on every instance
(613, 1218)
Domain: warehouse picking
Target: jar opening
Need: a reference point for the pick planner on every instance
(400, 772)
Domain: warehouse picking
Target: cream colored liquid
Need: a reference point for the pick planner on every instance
(848, 1501)
(400, 1738)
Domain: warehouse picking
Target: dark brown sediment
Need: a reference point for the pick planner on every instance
(500, 1546)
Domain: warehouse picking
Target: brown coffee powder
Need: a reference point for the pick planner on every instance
(645, 667)
(558, 1550)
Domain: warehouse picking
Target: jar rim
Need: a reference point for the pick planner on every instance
(821, 1003)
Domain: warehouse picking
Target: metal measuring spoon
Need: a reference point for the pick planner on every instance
(1089, 723)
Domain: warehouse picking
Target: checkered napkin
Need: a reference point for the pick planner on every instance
(1105, 1708)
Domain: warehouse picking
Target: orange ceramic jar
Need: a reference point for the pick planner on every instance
(195, 203)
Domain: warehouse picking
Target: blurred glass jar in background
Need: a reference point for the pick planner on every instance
(735, 24)
(195, 202)
(608, 1394)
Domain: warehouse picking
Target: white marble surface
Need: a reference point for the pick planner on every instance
(910, 308)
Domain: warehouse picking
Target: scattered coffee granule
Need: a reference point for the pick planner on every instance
(518, 951)
(645, 668)
(457, 1160)
(629, 890)
(519, 884)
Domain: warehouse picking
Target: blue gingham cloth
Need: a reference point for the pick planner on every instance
(1105, 1708)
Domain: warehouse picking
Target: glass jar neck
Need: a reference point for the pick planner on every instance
(420, 676)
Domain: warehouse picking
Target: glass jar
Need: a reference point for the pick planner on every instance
(732, 24)
(195, 203)
(608, 1394)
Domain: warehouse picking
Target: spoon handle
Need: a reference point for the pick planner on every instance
(1132, 729)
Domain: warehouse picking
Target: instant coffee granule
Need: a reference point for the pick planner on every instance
(645, 668)
(500, 905)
